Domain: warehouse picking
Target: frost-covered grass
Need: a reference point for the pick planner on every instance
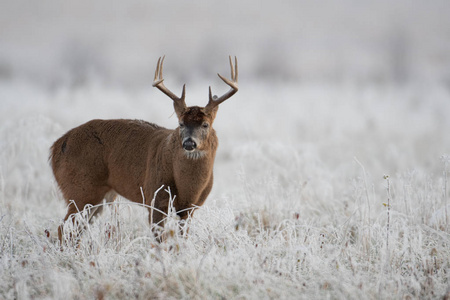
(299, 208)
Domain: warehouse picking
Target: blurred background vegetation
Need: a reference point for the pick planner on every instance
(74, 42)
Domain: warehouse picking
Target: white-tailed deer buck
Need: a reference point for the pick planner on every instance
(132, 158)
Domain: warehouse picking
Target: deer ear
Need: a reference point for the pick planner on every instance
(179, 108)
(213, 111)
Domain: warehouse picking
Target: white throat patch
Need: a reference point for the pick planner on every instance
(196, 154)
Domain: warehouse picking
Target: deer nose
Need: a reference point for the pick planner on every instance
(189, 145)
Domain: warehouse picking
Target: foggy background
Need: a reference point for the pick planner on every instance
(71, 43)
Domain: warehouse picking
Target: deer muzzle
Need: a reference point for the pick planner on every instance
(189, 144)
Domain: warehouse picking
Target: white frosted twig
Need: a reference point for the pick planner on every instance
(152, 204)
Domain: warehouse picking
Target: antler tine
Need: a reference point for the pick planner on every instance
(231, 67)
(158, 73)
(236, 64)
(233, 83)
(234, 70)
(158, 82)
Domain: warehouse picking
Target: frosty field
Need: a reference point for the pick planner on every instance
(300, 207)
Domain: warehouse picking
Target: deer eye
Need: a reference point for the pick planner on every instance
(181, 125)
(205, 125)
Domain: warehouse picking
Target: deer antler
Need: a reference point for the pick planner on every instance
(233, 83)
(158, 82)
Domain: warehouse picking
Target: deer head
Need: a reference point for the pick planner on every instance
(195, 123)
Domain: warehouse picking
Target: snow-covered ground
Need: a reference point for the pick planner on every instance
(332, 174)
(298, 208)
